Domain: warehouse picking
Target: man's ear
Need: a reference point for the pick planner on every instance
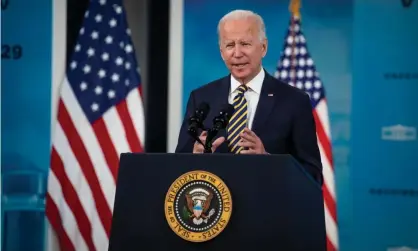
(222, 55)
(265, 46)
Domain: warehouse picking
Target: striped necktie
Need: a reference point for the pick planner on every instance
(238, 121)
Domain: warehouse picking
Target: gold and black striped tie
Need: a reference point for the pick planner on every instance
(238, 121)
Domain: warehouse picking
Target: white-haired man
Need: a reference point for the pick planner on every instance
(270, 116)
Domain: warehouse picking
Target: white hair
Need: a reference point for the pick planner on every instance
(244, 14)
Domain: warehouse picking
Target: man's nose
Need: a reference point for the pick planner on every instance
(238, 52)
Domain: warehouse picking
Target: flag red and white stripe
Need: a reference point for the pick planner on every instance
(100, 116)
(296, 67)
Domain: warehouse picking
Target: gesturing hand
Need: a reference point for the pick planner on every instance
(251, 142)
(198, 148)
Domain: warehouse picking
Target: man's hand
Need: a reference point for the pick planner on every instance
(251, 143)
(198, 148)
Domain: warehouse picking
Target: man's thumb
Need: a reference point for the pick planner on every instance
(218, 142)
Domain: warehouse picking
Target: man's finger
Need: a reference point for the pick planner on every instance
(217, 143)
(248, 137)
(245, 143)
(247, 130)
(202, 136)
(250, 151)
(198, 148)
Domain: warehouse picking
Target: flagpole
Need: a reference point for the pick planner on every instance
(301, 73)
(294, 8)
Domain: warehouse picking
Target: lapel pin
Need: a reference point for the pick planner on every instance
(270, 95)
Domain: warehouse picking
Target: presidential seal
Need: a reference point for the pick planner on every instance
(198, 206)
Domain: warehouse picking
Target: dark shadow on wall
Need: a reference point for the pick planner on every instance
(75, 16)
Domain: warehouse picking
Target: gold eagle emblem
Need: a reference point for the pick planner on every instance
(198, 206)
(198, 203)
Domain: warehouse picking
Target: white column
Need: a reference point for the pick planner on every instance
(175, 79)
(59, 42)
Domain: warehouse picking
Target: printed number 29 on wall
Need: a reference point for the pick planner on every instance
(11, 51)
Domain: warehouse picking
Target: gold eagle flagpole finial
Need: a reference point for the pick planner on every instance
(294, 8)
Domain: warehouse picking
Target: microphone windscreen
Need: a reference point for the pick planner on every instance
(228, 109)
(203, 109)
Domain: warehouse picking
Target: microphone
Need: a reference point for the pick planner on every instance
(219, 122)
(196, 120)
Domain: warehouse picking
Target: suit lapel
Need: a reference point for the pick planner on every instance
(220, 98)
(265, 103)
(221, 95)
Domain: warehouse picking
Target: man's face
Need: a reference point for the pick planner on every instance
(241, 48)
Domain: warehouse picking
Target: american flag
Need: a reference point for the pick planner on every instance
(296, 67)
(100, 115)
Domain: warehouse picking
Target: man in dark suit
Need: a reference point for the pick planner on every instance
(270, 116)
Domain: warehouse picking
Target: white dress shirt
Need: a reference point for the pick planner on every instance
(252, 95)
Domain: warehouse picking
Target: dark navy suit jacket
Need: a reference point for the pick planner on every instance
(283, 121)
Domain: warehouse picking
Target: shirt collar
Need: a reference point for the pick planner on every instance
(255, 84)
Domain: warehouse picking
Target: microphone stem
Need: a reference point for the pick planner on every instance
(207, 150)
(208, 146)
